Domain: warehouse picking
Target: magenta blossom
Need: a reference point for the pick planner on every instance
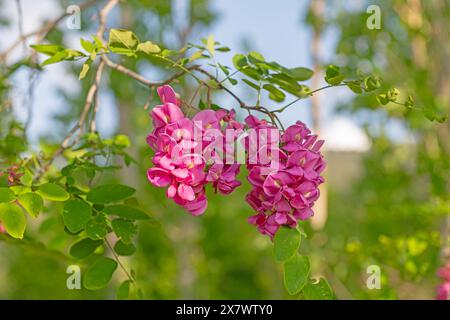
(443, 290)
(180, 145)
(284, 190)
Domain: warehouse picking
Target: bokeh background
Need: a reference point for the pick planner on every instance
(386, 201)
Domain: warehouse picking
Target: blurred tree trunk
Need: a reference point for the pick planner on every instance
(319, 219)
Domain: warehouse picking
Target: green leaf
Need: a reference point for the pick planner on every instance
(124, 229)
(409, 103)
(296, 273)
(87, 45)
(301, 73)
(48, 49)
(20, 189)
(109, 193)
(6, 195)
(287, 83)
(52, 192)
(251, 72)
(318, 290)
(124, 249)
(255, 57)
(84, 248)
(390, 96)
(224, 69)
(122, 141)
(382, 98)
(67, 54)
(122, 41)
(332, 71)
(210, 43)
(99, 275)
(97, 227)
(286, 243)
(355, 86)
(27, 178)
(239, 61)
(85, 69)
(58, 57)
(148, 47)
(196, 55)
(32, 203)
(275, 94)
(393, 94)
(98, 42)
(13, 219)
(332, 75)
(371, 83)
(76, 214)
(223, 49)
(125, 211)
(123, 292)
(251, 84)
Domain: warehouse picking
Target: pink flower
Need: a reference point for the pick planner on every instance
(285, 189)
(443, 290)
(179, 161)
(167, 94)
(166, 114)
(2, 229)
(223, 177)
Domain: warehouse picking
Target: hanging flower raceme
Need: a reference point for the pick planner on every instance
(284, 170)
(285, 187)
(187, 152)
(443, 290)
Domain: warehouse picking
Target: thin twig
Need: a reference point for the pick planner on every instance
(129, 276)
(43, 31)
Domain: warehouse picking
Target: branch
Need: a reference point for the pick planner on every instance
(132, 74)
(102, 17)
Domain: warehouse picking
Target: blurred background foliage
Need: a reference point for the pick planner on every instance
(387, 206)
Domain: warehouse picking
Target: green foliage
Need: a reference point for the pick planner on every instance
(124, 249)
(13, 219)
(32, 203)
(52, 192)
(110, 193)
(296, 273)
(84, 248)
(286, 243)
(126, 211)
(96, 206)
(76, 214)
(123, 291)
(99, 274)
(7, 195)
(124, 229)
(97, 227)
(333, 75)
(319, 290)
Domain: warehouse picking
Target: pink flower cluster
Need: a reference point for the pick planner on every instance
(2, 229)
(284, 171)
(285, 190)
(180, 145)
(443, 290)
